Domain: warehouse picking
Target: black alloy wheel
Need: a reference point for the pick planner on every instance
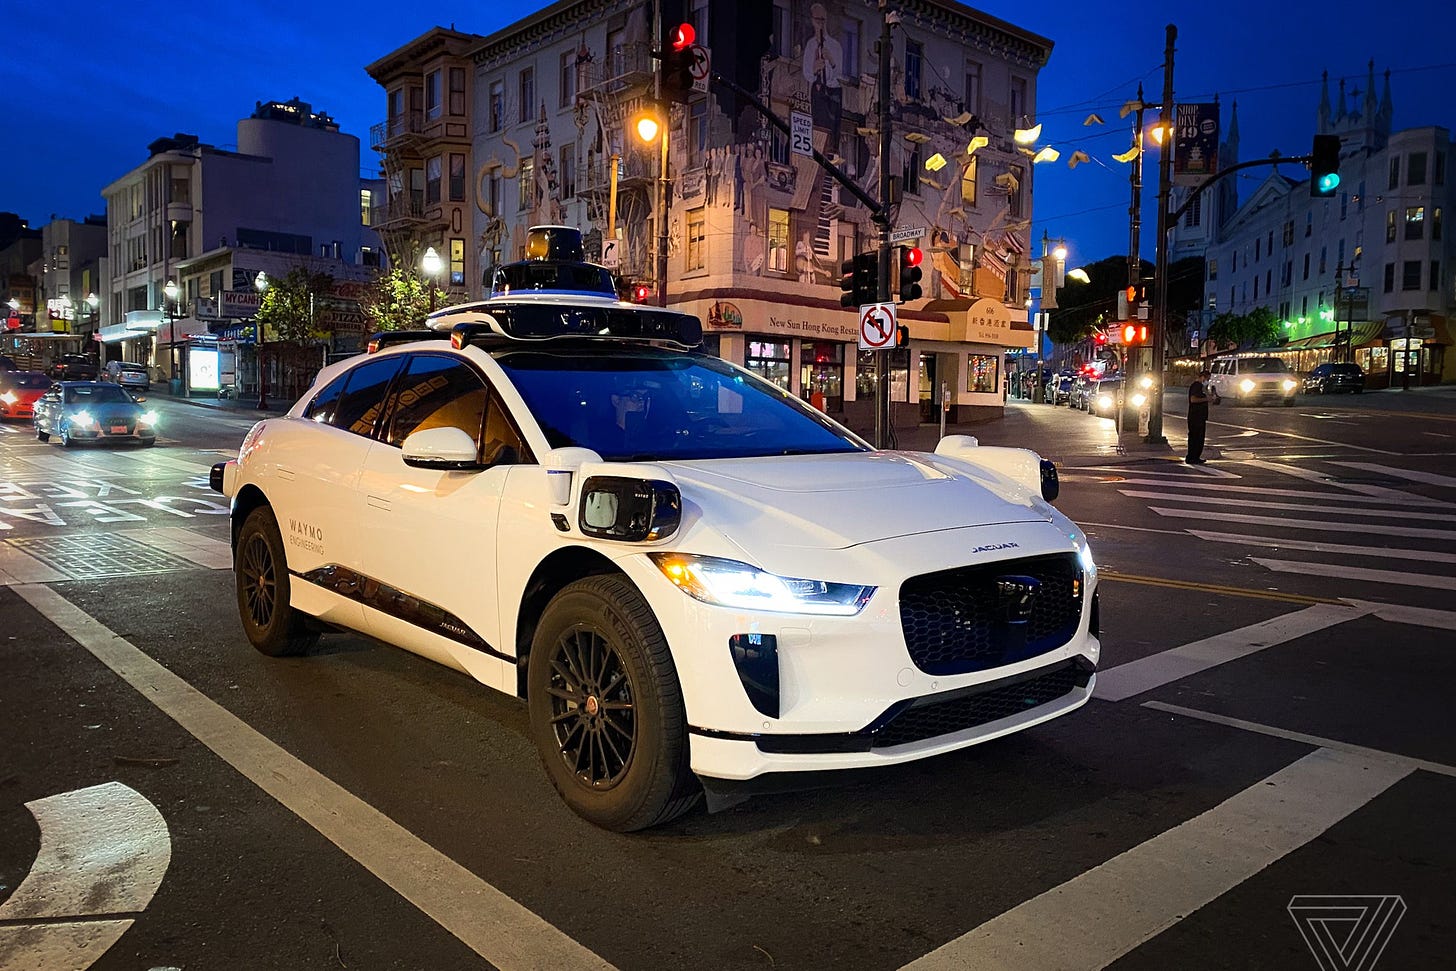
(606, 708)
(273, 626)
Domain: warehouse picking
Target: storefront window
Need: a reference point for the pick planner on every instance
(769, 360)
(867, 369)
(982, 373)
(821, 374)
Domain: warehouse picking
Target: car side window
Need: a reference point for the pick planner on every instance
(362, 402)
(321, 408)
(437, 392)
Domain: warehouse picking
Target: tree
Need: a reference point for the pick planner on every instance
(400, 299)
(1258, 328)
(1084, 307)
(293, 307)
(1185, 287)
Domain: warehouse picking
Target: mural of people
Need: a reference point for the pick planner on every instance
(823, 66)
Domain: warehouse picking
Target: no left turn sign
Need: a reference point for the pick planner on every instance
(877, 324)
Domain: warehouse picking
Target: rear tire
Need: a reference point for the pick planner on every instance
(260, 566)
(42, 436)
(606, 708)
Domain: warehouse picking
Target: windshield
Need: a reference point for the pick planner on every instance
(105, 394)
(648, 405)
(1265, 365)
(140, 368)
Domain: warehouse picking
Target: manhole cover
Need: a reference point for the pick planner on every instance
(89, 556)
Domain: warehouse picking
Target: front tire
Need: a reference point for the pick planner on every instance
(273, 626)
(66, 440)
(606, 709)
(40, 435)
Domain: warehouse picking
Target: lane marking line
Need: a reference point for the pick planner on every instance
(1339, 549)
(1404, 614)
(1429, 478)
(1356, 573)
(1136, 529)
(1374, 754)
(1310, 475)
(1314, 524)
(1295, 506)
(1296, 598)
(499, 929)
(1271, 491)
(1098, 916)
(1155, 670)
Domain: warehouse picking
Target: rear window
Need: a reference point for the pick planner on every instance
(25, 379)
(1344, 369)
(128, 366)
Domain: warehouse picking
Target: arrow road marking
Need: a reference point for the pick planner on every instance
(103, 852)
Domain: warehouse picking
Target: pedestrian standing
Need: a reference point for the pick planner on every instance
(1200, 395)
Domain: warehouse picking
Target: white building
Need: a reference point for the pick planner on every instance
(290, 193)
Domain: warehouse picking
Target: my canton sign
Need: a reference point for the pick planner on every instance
(238, 303)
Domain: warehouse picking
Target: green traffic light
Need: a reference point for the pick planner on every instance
(1329, 182)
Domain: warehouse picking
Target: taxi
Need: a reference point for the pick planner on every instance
(696, 581)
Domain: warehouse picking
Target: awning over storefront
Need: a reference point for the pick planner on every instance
(112, 333)
(1361, 334)
(181, 330)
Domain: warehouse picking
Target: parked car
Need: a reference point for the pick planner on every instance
(1060, 389)
(6, 364)
(92, 411)
(568, 502)
(18, 392)
(1081, 385)
(1332, 377)
(73, 367)
(129, 375)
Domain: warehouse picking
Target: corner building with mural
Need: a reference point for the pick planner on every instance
(756, 232)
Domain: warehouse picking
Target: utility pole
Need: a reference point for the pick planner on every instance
(884, 418)
(662, 183)
(1135, 209)
(1159, 330)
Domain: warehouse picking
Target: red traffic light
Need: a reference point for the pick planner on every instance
(641, 293)
(913, 256)
(682, 37)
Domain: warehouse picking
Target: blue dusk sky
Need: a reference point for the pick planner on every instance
(91, 84)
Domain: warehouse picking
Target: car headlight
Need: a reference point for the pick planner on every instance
(1139, 400)
(147, 418)
(1084, 557)
(9, 398)
(1288, 385)
(82, 418)
(1145, 382)
(729, 583)
(1246, 386)
(1104, 401)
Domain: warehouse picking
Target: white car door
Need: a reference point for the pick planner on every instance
(313, 469)
(432, 533)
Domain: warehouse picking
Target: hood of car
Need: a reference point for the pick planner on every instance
(837, 501)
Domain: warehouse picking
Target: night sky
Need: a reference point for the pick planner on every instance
(91, 84)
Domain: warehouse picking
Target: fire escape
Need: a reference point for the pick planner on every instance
(400, 219)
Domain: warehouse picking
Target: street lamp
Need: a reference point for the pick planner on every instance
(260, 283)
(430, 263)
(169, 293)
(650, 128)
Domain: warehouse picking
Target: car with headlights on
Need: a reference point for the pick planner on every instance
(93, 412)
(697, 582)
(19, 391)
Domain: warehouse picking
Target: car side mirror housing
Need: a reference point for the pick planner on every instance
(445, 449)
(627, 509)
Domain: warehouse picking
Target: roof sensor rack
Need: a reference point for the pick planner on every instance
(385, 338)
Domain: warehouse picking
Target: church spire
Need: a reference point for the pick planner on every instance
(1324, 105)
(1340, 104)
(1385, 116)
(1369, 110)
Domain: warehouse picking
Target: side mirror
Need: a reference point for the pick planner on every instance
(632, 510)
(138, 398)
(1051, 483)
(443, 449)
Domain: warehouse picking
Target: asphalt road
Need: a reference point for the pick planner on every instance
(1271, 722)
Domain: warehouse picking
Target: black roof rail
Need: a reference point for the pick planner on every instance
(384, 338)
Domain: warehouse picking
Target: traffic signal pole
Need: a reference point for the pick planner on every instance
(883, 418)
(1165, 192)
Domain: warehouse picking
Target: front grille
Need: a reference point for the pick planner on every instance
(955, 622)
(931, 719)
(117, 421)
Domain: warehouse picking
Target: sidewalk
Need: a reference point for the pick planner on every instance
(246, 405)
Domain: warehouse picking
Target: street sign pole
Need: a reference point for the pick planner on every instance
(884, 422)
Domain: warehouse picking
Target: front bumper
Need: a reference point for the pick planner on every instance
(845, 691)
(105, 433)
(21, 409)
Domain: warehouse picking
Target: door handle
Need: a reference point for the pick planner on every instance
(378, 502)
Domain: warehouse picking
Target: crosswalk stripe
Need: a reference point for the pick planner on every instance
(1339, 549)
(1290, 523)
(1313, 476)
(1155, 670)
(1429, 478)
(1273, 491)
(1402, 614)
(1297, 506)
(1344, 572)
(1142, 892)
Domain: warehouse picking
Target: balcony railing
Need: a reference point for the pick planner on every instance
(406, 205)
(408, 123)
(621, 67)
(597, 176)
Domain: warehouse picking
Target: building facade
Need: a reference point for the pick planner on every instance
(757, 231)
(291, 190)
(1364, 275)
